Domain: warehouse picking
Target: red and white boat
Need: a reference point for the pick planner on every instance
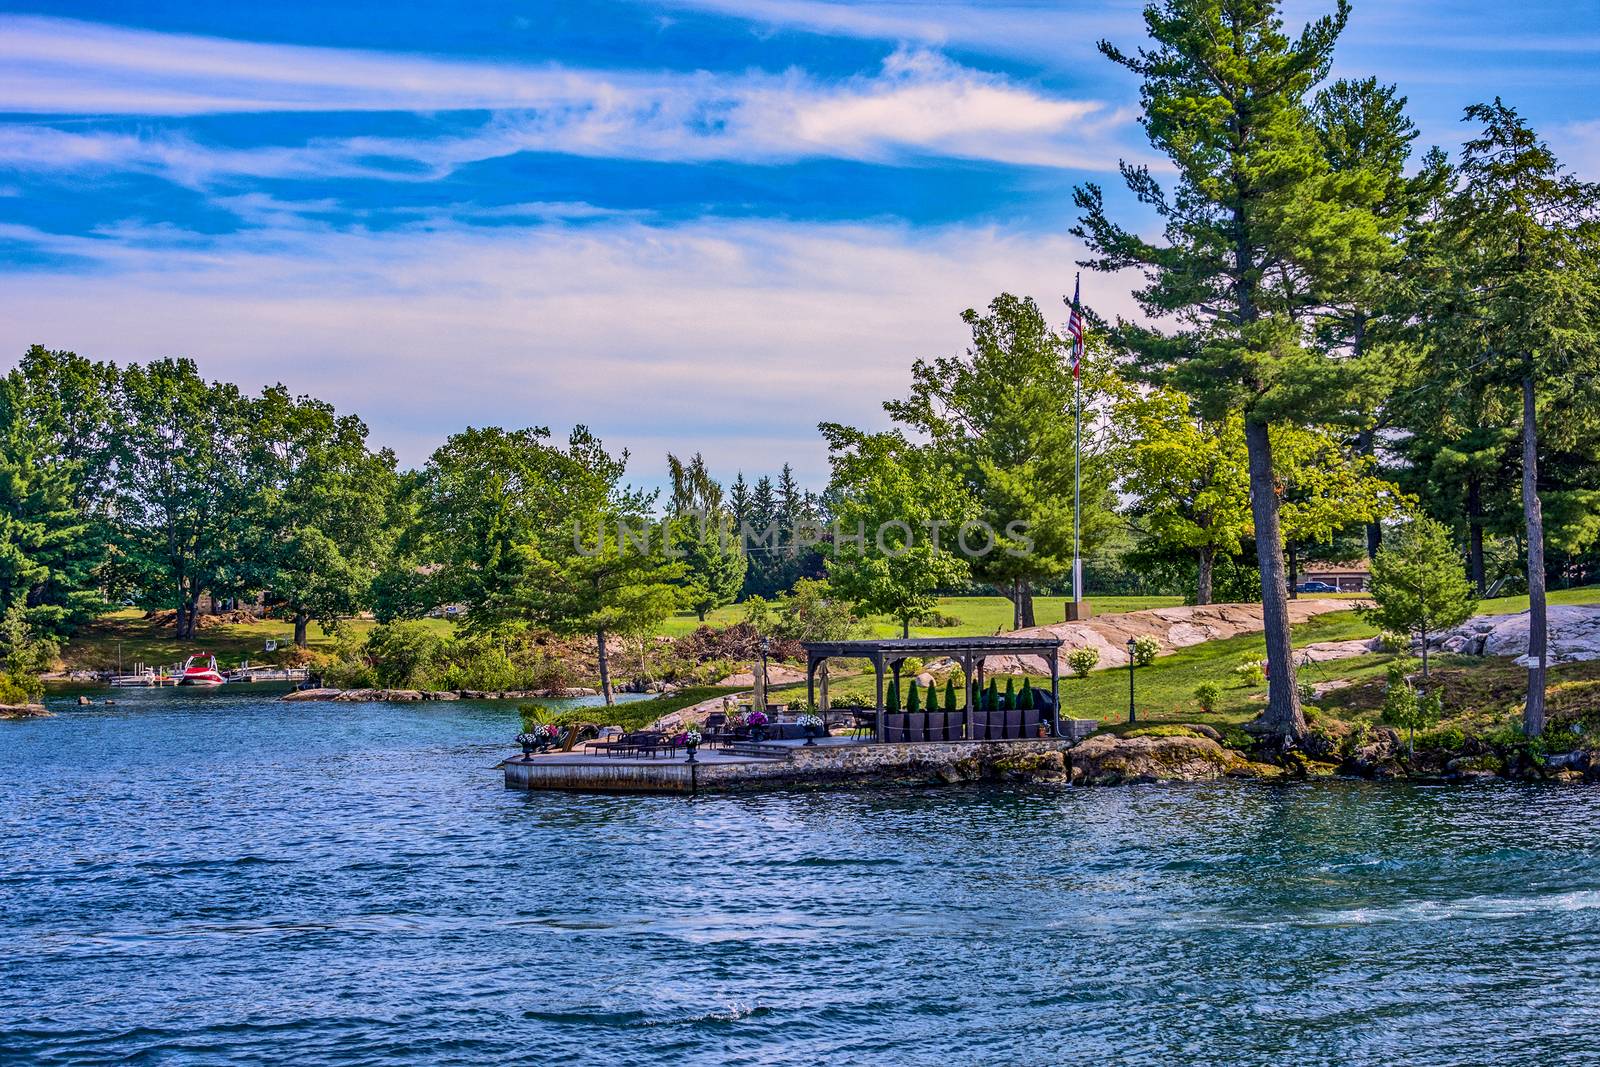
(200, 669)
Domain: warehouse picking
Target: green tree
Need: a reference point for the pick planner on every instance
(595, 576)
(1524, 253)
(1418, 584)
(24, 655)
(327, 510)
(705, 536)
(1258, 224)
(50, 549)
(186, 492)
(1000, 421)
(1187, 479)
(890, 494)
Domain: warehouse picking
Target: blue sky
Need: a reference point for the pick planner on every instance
(692, 224)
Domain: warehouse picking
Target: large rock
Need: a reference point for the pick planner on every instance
(1109, 760)
(22, 711)
(1574, 635)
(312, 694)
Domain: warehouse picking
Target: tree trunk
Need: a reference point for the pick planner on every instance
(1424, 651)
(905, 626)
(300, 621)
(1294, 572)
(1202, 592)
(1475, 533)
(1533, 714)
(605, 667)
(700, 613)
(1025, 604)
(1282, 714)
(1015, 596)
(1366, 443)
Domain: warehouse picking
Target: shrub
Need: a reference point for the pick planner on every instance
(1251, 674)
(1403, 707)
(18, 688)
(1308, 692)
(950, 694)
(1025, 698)
(1145, 650)
(1009, 701)
(1165, 729)
(936, 620)
(891, 701)
(914, 699)
(912, 666)
(1083, 660)
(933, 697)
(1394, 643)
(1207, 694)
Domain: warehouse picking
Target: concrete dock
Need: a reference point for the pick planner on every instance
(791, 764)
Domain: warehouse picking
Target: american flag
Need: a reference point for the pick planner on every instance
(1075, 328)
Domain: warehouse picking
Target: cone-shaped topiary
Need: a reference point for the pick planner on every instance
(950, 694)
(891, 700)
(933, 698)
(914, 699)
(991, 697)
(1025, 698)
(1010, 700)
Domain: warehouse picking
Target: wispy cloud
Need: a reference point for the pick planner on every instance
(1055, 29)
(731, 336)
(917, 103)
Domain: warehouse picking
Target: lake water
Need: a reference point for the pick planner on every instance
(216, 878)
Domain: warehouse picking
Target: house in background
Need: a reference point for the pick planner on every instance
(1352, 577)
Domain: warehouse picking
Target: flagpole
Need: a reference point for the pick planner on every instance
(1077, 447)
(1077, 611)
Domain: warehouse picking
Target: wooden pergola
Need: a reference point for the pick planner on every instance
(886, 656)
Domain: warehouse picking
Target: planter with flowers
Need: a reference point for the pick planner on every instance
(757, 720)
(538, 737)
(690, 740)
(813, 727)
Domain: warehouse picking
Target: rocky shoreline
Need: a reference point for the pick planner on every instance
(412, 696)
(24, 711)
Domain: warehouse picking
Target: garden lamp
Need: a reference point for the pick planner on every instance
(1133, 715)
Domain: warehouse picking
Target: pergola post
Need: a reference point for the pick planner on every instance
(1055, 689)
(811, 680)
(966, 675)
(877, 666)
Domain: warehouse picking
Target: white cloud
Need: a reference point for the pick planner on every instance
(1050, 30)
(918, 103)
(735, 338)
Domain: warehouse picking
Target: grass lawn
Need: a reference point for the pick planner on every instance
(977, 615)
(139, 641)
(1479, 693)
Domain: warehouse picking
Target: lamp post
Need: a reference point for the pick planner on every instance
(1133, 716)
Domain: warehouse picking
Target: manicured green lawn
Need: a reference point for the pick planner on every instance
(140, 642)
(975, 614)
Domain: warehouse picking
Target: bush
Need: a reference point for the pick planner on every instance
(1307, 691)
(1083, 660)
(1145, 650)
(1207, 694)
(1251, 674)
(20, 688)
(936, 620)
(911, 666)
(1394, 643)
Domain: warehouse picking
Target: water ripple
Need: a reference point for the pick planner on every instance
(215, 879)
